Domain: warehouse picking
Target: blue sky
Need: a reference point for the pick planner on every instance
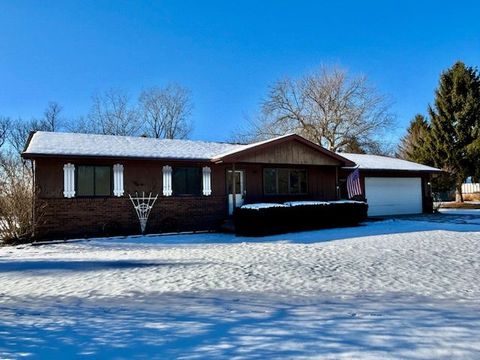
(227, 53)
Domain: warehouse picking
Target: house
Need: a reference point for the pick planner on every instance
(82, 181)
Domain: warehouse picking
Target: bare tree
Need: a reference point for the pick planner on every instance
(328, 107)
(51, 116)
(80, 125)
(20, 130)
(112, 114)
(16, 220)
(4, 126)
(166, 112)
(15, 132)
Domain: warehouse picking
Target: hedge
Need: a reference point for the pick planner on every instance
(276, 220)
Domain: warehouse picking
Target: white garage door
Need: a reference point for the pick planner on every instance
(393, 196)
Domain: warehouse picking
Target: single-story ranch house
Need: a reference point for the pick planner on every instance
(82, 181)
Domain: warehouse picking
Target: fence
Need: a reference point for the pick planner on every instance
(470, 188)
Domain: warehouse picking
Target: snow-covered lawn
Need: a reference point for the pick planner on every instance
(389, 289)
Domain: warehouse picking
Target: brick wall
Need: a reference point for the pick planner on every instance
(80, 217)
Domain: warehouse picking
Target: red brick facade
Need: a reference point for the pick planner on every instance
(59, 217)
(80, 217)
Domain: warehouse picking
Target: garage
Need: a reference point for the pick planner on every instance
(393, 196)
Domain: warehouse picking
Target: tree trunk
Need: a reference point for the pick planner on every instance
(458, 193)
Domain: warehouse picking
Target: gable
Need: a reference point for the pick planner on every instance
(288, 152)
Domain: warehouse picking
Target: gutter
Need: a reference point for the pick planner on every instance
(402, 170)
(107, 157)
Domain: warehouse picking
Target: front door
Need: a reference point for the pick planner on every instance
(239, 189)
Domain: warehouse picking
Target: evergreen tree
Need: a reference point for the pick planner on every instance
(413, 146)
(455, 122)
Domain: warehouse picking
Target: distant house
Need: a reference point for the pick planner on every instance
(82, 181)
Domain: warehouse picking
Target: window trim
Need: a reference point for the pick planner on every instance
(289, 186)
(110, 167)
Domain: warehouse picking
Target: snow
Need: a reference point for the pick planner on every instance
(466, 216)
(258, 206)
(73, 144)
(347, 202)
(377, 162)
(306, 203)
(391, 289)
(460, 211)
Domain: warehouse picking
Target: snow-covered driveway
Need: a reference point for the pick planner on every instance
(390, 289)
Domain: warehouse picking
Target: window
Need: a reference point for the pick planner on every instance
(94, 180)
(187, 181)
(284, 181)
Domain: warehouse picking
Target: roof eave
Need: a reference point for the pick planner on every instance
(27, 144)
(112, 157)
(403, 170)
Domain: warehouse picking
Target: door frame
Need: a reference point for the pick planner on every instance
(240, 196)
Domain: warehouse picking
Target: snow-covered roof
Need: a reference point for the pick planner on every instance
(73, 144)
(377, 162)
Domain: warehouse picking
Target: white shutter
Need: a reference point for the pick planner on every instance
(167, 180)
(207, 181)
(69, 180)
(118, 180)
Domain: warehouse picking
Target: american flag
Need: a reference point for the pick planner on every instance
(353, 184)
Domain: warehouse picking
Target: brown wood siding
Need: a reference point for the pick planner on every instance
(291, 152)
(320, 184)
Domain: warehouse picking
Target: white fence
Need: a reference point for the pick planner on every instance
(470, 188)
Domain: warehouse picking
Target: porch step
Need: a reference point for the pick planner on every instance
(228, 226)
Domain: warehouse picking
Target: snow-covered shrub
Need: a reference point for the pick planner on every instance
(274, 220)
(16, 201)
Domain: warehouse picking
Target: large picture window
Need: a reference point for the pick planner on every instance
(94, 180)
(187, 181)
(284, 181)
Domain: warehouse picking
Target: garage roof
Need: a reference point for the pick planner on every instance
(377, 162)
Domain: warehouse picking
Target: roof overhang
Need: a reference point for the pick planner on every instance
(109, 157)
(437, 171)
(25, 155)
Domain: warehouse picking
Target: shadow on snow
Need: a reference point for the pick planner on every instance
(256, 326)
(371, 228)
(39, 266)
